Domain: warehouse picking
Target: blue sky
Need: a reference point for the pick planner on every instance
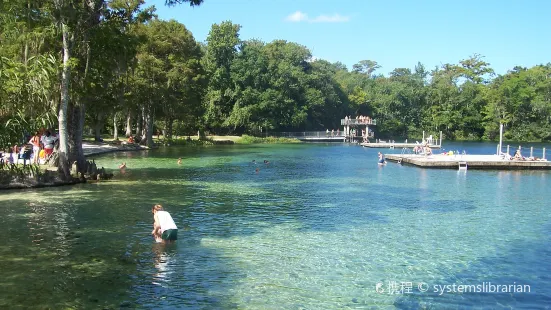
(393, 33)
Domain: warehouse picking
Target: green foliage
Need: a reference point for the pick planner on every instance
(126, 64)
(245, 139)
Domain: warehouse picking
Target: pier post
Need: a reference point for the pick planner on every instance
(500, 138)
(423, 136)
(531, 151)
(440, 138)
(507, 148)
(543, 153)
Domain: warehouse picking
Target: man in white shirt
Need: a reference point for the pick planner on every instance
(164, 228)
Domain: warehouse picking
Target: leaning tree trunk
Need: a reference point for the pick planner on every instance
(115, 127)
(128, 132)
(63, 151)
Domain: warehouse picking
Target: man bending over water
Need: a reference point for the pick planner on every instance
(164, 228)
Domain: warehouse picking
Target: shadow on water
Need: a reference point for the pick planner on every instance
(521, 265)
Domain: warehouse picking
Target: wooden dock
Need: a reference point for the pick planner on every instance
(396, 145)
(493, 162)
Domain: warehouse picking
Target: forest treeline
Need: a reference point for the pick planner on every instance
(114, 66)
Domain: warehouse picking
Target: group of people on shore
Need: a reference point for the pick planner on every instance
(40, 146)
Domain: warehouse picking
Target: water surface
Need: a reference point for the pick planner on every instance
(317, 228)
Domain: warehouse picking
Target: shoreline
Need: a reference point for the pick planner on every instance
(89, 149)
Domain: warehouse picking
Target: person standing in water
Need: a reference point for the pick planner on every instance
(164, 228)
(381, 158)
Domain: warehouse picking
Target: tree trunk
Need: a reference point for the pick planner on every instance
(62, 116)
(98, 126)
(128, 132)
(169, 122)
(147, 137)
(76, 129)
(139, 121)
(115, 127)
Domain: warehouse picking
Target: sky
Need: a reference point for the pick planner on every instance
(394, 33)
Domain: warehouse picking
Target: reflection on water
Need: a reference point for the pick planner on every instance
(317, 228)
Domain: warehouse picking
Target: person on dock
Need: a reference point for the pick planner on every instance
(164, 228)
(428, 150)
(332, 133)
(518, 155)
(381, 158)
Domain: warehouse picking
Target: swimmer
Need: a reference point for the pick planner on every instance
(179, 161)
(257, 170)
(122, 166)
(266, 162)
(254, 161)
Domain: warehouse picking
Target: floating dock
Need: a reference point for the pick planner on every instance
(390, 145)
(460, 162)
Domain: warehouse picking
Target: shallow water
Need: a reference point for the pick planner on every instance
(317, 228)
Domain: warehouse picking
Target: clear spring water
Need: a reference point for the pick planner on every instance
(317, 228)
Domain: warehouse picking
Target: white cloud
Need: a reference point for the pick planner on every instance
(298, 16)
(335, 18)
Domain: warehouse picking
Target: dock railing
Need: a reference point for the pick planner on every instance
(355, 121)
(306, 134)
(526, 151)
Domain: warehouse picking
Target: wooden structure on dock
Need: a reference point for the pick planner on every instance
(464, 162)
(353, 129)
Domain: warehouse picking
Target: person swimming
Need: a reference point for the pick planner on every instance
(266, 162)
(122, 166)
(180, 161)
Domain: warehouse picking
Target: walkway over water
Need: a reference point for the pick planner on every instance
(318, 136)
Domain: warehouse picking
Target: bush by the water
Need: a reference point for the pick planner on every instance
(245, 139)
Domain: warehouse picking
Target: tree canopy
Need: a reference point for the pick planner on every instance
(122, 68)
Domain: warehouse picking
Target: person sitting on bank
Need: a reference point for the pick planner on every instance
(164, 228)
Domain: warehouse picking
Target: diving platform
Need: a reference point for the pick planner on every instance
(464, 162)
